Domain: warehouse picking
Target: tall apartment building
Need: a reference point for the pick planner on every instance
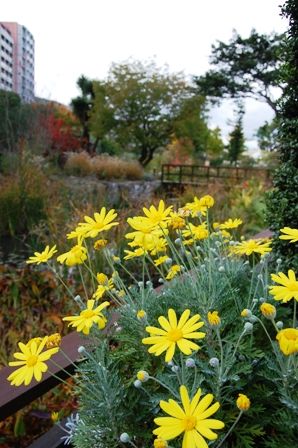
(17, 60)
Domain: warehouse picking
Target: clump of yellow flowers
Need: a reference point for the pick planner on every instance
(180, 308)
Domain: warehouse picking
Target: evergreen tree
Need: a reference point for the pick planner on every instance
(236, 145)
(282, 203)
(82, 106)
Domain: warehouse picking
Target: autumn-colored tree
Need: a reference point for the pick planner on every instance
(141, 107)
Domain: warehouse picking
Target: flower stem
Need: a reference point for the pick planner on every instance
(230, 430)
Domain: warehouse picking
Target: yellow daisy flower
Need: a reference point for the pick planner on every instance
(31, 362)
(54, 340)
(258, 246)
(158, 245)
(289, 288)
(191, 419)
(173, 271)
(78, 233)
(105, 284)
(158, 216)
(133, 254)
(207, 200)
(76, 255)
(288, 341)
(102, 221)
(176, 221)
(161, 260)
(230, 224)
(99, 244)
(196, 206)
(42, 257)
(172, 332)
(196, 232)
(55, 417)
(145, 234)
(289, 234)
(88, 317)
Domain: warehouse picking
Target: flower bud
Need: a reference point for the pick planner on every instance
(137, 384)
(213, 318)
(243, 402)
(143, 376)
(279, 324)
(160, 280)
(278, 261)
(160, 443)
(268, 310)
(178, 241)
(246, 313)
(175, 369)
(124, 437)
(169, 261)
(190, 362)
(214, 362)
(248, 327)
(81, 349)
(141, 314)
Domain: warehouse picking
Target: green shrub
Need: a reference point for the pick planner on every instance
(22, 198)
(282, 202)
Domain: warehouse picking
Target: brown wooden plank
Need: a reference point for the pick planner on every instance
(51, 439)
(264, 234)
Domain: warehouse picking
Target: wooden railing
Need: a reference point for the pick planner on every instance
(195, 174)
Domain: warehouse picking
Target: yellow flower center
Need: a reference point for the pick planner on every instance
(175, 334)
(292, 286)
(87, 314)
(32, 360)
(190, 422)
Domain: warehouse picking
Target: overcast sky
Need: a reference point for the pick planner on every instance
(74, 37)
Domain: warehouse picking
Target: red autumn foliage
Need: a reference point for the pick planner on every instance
(61, 134)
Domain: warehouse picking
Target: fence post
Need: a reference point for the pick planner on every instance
(180, 175)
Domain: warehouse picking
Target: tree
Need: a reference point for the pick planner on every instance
(141, 107)
(11, 120)
(245, 68)
(191, 123)
(82, 106)
(267, 136)
(282, 204)
(236, 145)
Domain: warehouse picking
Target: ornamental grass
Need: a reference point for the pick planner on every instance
(104, 166)
(201, 347)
